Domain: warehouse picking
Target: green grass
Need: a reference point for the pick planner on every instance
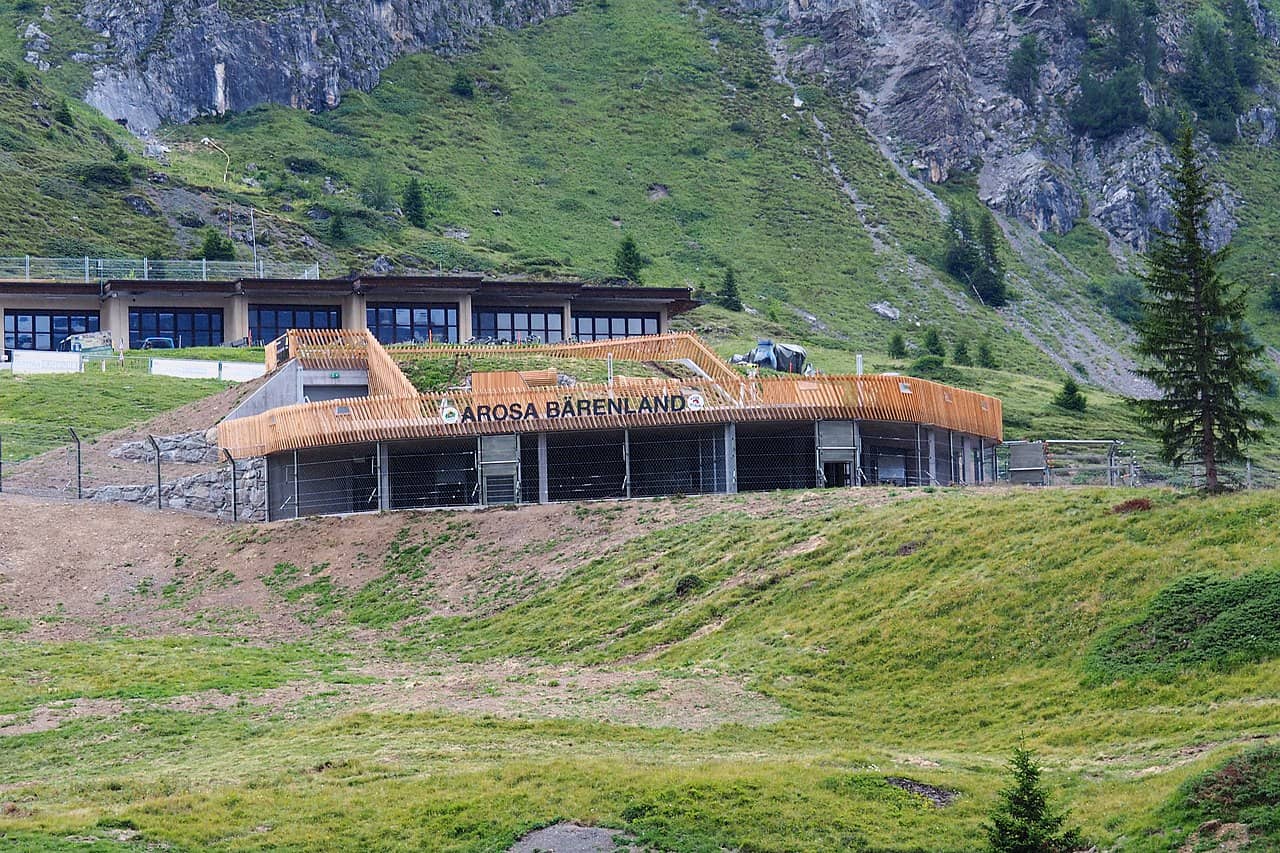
(438, 373)
(36, 410)
(924, 637)
(253, 354)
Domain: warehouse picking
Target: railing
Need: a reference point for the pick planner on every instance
(92, 270)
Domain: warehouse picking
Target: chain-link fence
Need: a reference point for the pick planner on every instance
(618, 463)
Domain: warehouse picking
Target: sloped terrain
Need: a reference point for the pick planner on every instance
(743, 672)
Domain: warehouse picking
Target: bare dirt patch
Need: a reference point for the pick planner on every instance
(1227, 837)
(937, 797)
(572, 838)
(155, 573)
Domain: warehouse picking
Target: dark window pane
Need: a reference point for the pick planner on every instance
(651, 325)
(635, 326)
(26, 322)
(8, 323)
(42, 323)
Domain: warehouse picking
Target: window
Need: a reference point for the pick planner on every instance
(602, 326)
(44, 330)
(188, 327)
(393, 323)
(518, 324)
(268, 322)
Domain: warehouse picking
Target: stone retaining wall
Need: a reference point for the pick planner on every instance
(188, 447)
(208, 492)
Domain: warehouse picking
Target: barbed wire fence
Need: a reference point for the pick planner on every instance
(167, 472)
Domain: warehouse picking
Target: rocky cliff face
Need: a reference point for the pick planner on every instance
(172, 60)
(930, 78)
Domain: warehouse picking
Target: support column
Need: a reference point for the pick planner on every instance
(626, 460)
(113, 317)
(664, 320)
(465, 330)
(542, 469)
(567, 311)
(235, 323)
(859, 479)
(933, 457)
(353, 312)
(384, 477)
(731, 459)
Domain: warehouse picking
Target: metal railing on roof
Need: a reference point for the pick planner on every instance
(94, 270)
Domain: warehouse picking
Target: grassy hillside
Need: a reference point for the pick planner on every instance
(35, 411)
(916, 636)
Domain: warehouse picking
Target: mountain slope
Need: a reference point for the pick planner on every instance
(714, 137)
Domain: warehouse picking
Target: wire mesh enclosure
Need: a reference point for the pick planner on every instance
(510, 468)
(677, 461)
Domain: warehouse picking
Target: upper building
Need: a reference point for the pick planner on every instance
(448, 308)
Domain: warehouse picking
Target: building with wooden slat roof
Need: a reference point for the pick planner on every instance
(365, 439)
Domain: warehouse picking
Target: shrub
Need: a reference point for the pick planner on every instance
(1201, 620)
(1243, 790)
(897, 346)
(1023, 77)
(375, 192)
(960, 355)
(63, 114)
(462, 86)
(688, 584)
(216, 247)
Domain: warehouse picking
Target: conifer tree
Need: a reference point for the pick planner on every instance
(729, 294)
(1201, 356)
(1023, 822)
(933, 343)
(337, 230)
(897, 346)
(985, 357)
(627, 262)
(960, 354)
(989, 281)
(414, 208)
(1070, 397)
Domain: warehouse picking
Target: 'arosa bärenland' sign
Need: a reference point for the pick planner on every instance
(570, 407)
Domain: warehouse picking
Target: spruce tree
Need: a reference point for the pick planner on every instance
(1201, 356)
(989, 281)
(897, 346)
(627, 262)
(1023, 822)
(1070, 397)
(414, 208)
(933, 343)
(337, 230)
(960, 354)
(985, 357)
(729, 295)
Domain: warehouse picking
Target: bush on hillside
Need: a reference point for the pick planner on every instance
(462, 86)
(1202, 620)
(897, 346)
(1245, 790)
(216, 247)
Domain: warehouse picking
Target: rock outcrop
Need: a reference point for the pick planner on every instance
(930, 78)
(173, 60)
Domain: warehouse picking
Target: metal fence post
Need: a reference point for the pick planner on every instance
(79, 468)
(234, 485)
(156, 445)
(1, 464)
